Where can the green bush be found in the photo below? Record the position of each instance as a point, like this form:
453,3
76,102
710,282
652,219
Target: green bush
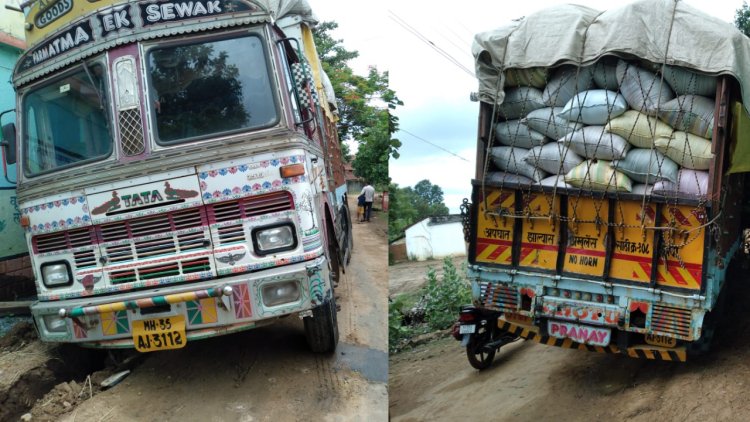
399,334
445,296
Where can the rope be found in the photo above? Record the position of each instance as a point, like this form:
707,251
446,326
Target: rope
675,236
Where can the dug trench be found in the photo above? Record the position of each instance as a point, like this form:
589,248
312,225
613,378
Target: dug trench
46,381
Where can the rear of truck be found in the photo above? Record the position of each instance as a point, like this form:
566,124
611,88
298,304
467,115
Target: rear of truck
606,205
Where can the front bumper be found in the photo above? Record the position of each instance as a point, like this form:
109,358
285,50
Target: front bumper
210,308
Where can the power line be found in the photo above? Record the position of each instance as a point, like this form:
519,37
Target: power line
424,39
435,145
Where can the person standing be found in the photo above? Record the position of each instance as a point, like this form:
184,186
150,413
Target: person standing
361,208
369,192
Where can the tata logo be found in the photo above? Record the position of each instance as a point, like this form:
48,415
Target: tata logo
143,198
52,12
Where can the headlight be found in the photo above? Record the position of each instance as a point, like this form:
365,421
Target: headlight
56,274
55,324
278,293
274,239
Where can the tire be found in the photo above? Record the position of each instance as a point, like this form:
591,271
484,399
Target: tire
334,267
711,321
479,357
322,329
349,238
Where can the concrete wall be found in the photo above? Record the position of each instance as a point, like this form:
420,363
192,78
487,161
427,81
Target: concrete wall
15,268
11,22
434,241
397,251
354,187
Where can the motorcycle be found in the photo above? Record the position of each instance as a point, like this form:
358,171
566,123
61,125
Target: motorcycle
478,332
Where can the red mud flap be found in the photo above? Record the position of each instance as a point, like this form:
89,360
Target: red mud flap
643,351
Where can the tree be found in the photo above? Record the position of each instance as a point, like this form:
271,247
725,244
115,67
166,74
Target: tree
364,104
432,195
410,205
401,214
742,19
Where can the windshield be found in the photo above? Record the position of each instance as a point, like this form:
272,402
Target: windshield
209,88
65,123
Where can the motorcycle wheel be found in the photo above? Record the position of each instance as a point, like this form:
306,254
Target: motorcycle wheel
479,357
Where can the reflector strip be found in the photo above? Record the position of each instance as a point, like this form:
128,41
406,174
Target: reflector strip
639,352
144,303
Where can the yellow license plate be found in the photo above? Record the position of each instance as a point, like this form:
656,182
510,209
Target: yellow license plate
664,341
159,333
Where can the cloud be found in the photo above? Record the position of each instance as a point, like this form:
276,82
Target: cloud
434,90
453,175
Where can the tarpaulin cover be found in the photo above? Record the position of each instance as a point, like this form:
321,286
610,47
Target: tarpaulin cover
660,31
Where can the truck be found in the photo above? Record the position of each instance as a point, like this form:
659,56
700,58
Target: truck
179,171
608,197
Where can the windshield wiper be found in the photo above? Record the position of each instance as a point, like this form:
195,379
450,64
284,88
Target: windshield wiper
98,91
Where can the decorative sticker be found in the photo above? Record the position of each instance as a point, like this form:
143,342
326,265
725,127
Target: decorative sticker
143,196
114,323
61,214
202,311
79,330
241,299
234,182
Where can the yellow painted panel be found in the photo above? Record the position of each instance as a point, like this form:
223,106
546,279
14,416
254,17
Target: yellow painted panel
683,246
75,9
588,221
540,236
495,233
632,257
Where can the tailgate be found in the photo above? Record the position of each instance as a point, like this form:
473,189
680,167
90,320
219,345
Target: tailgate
567,232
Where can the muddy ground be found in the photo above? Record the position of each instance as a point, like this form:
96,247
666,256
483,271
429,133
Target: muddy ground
266,374
531,382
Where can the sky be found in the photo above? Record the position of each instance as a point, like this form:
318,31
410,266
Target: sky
425,46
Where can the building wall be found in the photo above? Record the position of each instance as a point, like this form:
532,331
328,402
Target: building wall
14,260
397,251
424,241
11,22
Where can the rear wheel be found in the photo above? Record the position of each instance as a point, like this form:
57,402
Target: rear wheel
334,267
479,357
711,322
321,329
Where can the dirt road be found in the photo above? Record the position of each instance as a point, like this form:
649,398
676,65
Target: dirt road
531,382
259,375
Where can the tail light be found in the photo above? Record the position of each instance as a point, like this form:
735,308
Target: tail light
455,332
466,317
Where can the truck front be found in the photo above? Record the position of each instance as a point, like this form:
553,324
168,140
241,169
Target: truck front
172,173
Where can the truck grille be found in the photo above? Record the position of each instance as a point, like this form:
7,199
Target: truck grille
244,208
169,269
80,241
671,320
165,234
250,207
172,239
498,297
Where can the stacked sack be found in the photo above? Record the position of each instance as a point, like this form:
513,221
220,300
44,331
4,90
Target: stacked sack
613,126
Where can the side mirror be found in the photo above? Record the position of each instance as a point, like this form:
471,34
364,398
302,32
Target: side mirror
9,143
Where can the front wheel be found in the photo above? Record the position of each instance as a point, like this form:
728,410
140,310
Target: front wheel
322,329
478,355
